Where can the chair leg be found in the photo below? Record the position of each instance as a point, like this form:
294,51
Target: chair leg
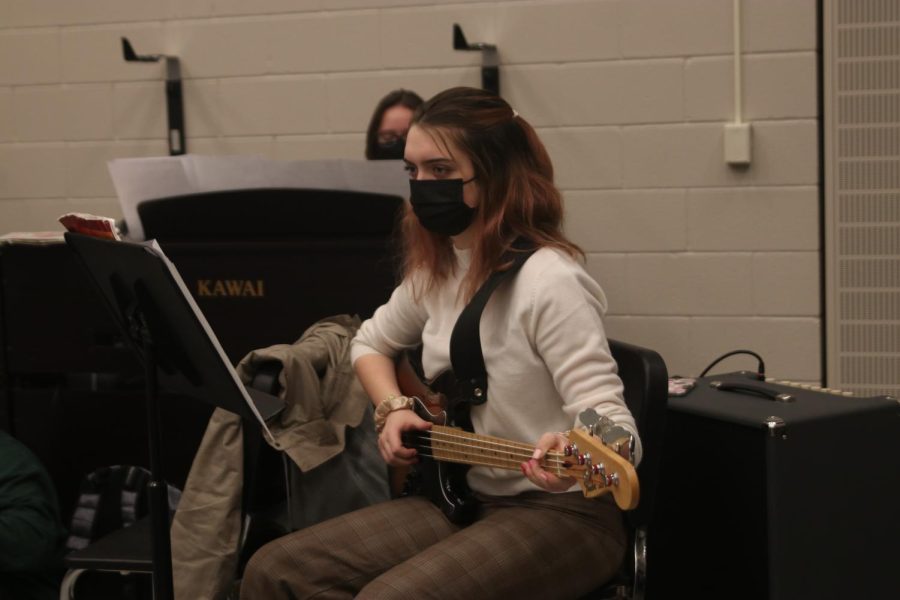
67,587
639,585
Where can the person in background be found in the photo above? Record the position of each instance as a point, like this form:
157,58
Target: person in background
386,135
31,532
481,193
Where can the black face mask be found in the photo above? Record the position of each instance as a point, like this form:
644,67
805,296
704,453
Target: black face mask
439,206
392,150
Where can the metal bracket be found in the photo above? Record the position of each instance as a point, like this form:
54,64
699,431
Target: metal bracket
174,100
490,66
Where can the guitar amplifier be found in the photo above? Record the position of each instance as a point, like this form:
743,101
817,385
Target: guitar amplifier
775,491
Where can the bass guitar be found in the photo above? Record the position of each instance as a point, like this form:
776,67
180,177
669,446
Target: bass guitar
445,453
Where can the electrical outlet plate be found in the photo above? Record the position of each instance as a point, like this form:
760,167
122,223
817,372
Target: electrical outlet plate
737,144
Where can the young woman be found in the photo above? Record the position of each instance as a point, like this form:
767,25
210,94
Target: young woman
479,181
389,124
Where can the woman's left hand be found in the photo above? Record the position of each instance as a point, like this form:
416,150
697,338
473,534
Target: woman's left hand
544,479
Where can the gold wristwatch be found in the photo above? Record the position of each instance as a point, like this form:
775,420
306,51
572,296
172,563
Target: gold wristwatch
391,404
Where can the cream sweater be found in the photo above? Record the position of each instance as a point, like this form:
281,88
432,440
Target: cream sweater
544,347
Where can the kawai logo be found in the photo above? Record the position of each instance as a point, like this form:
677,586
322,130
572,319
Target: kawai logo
243,288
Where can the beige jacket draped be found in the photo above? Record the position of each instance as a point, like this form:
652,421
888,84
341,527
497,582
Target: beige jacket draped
322,398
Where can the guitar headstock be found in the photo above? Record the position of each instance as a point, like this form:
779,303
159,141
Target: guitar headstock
600,469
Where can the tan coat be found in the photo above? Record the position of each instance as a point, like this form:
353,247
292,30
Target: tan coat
322,398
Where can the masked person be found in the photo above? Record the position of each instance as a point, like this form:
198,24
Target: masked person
386,135
481,195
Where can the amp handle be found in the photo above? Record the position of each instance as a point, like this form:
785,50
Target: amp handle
749,388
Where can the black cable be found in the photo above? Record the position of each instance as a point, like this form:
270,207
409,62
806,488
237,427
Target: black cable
760,369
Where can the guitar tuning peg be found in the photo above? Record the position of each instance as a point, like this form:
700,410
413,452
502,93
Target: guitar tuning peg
613,435
590,419
629,449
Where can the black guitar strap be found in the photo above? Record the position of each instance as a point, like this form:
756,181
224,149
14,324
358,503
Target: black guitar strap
466,356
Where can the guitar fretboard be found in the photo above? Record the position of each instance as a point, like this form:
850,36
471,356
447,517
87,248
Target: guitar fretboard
450,444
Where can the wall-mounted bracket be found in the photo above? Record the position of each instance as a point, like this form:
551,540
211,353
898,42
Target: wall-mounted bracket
490,66
174,100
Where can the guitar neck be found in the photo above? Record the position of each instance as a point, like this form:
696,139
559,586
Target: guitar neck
450,444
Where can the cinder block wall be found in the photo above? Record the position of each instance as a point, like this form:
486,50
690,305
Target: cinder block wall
630,96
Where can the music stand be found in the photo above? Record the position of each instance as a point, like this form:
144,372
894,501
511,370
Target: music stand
158,316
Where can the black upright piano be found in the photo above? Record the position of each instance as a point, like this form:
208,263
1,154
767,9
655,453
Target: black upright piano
262,264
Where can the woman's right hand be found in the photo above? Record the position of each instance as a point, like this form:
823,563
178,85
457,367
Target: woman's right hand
390,442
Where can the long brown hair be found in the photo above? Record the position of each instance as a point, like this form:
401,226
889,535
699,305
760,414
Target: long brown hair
515,175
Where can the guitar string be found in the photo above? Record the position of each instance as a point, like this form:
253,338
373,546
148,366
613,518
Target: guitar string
449,435
523,453
509,465
450,432
448,443
445,435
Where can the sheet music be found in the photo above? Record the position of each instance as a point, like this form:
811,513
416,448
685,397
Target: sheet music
140,179
154,247
151,178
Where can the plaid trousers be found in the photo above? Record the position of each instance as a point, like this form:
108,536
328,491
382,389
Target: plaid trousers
534,545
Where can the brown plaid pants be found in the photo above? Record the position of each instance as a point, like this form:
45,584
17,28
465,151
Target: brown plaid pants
535,545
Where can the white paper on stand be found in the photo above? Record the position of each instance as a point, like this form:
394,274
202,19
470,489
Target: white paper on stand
145,180
140,179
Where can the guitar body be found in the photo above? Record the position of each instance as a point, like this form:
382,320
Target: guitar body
443,483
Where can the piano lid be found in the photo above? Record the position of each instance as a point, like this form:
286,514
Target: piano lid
270,214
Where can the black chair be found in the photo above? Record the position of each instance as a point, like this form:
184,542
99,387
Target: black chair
128,551
645,377
125,551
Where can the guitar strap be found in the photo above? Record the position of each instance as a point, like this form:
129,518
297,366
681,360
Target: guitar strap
466,356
